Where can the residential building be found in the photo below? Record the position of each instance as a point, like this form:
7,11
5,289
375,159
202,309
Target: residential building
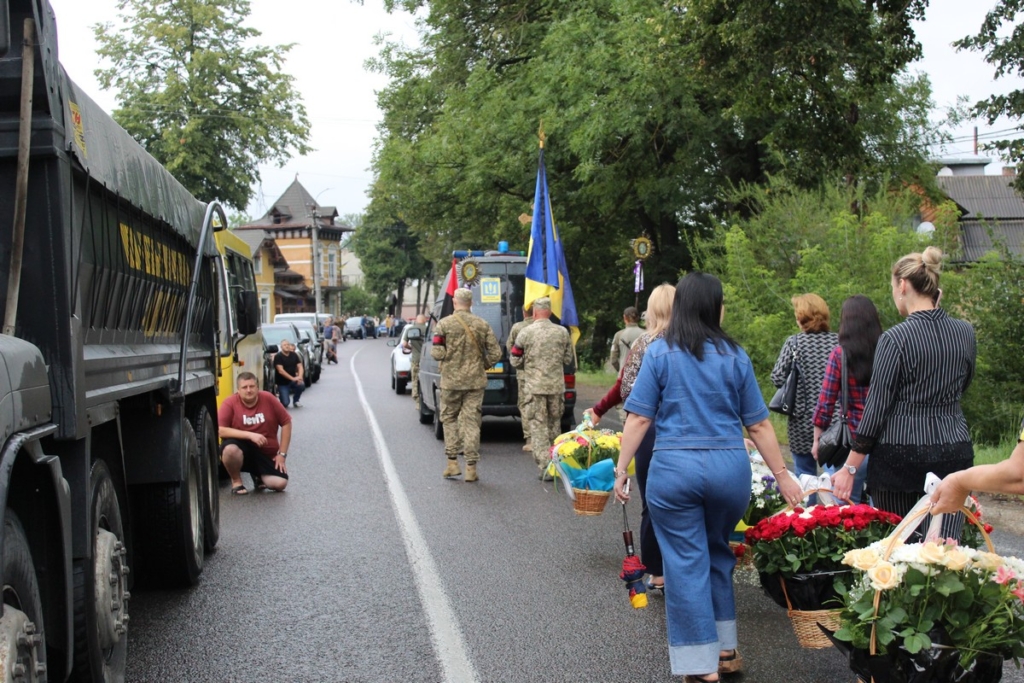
292,222
272,282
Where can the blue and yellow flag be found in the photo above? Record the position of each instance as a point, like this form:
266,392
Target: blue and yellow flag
546,272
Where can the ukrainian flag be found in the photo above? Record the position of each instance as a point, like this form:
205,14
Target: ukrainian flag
546,272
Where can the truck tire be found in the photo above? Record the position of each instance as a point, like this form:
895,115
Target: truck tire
101,589
438,427
171,523
426,414
23,607
209,454
400,386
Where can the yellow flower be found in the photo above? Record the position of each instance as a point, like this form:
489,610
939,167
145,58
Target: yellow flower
932,553
956,559
883,576
989,561
609,442
862,559
568,448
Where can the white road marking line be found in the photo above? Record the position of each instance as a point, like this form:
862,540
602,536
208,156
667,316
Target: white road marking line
445,633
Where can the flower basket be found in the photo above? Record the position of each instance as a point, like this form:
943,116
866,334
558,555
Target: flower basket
584,460
798,553
932,611
589,502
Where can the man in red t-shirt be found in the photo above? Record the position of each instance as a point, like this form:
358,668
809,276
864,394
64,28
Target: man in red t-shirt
249,421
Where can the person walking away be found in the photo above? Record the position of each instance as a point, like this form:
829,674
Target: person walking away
249,421
809,349
913,423
859,330
697,386
657,315
465,346
523,395
415,346
624,338
289,374
541,353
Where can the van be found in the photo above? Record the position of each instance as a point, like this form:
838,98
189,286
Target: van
498,299
311,317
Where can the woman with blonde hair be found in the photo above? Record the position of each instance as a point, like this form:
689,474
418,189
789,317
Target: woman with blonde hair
809,350
658,314
912,422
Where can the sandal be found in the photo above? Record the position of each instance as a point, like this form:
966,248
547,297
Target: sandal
257,483
730,664
694,678
239,490
651,586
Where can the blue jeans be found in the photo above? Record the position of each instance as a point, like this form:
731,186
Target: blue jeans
859,480
696,497
286,392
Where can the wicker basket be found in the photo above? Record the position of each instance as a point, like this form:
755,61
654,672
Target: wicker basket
746,560
805,623
590,502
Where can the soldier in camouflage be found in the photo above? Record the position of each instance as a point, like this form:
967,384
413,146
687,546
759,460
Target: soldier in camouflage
466,346
541,351
524,391
416,347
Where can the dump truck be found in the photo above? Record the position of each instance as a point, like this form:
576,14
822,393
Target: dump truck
112,294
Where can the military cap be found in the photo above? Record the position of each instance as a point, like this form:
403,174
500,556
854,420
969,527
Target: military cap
464,295
543,303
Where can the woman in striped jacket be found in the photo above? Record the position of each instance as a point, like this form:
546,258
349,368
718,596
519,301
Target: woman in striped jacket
912,422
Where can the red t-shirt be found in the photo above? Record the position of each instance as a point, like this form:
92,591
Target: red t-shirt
265,418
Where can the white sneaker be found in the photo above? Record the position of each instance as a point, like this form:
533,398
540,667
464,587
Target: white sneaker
297,404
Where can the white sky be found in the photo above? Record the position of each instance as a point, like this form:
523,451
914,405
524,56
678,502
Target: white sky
335,37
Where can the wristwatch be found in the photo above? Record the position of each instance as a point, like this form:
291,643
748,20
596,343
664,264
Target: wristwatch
283,455
852,469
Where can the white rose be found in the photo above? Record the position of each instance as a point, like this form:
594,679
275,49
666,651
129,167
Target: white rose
884,576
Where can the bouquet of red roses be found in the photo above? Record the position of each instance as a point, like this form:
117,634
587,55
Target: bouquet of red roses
816,538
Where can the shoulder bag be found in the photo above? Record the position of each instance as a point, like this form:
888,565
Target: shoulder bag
784,400
836,442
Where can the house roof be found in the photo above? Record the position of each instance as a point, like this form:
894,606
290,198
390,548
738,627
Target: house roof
983,196
256,239
295,209
977,235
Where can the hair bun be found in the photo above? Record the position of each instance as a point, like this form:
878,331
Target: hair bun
932,259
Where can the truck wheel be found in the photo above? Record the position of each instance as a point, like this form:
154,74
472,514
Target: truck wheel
209,455
101,589
22,641
426,414
172,515
438,427
400,385
568,423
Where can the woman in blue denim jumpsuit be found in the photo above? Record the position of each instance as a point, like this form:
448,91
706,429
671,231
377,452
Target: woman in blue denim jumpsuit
698,386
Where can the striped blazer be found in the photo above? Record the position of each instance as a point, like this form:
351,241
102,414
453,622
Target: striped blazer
912,422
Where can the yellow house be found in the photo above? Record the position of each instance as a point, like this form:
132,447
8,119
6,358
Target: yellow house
290,223
268,263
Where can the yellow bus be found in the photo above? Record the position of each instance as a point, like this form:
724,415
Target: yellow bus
238,352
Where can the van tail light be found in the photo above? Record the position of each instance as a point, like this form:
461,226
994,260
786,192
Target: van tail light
570,381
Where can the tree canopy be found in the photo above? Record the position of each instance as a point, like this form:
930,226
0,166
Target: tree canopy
200,95
652,111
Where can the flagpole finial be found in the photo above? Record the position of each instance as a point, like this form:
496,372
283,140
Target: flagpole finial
541,135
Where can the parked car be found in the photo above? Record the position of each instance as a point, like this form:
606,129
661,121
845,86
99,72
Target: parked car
401,360
315,346
503,276
269,374
275,332
369,328
353,327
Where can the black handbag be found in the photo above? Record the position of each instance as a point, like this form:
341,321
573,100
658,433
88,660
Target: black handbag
836,442
784,400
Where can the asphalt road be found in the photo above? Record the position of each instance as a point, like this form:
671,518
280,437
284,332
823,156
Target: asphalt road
371,567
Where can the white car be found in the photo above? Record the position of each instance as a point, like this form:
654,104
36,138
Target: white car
401,361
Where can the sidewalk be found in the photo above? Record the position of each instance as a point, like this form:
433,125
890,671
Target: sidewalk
1005,513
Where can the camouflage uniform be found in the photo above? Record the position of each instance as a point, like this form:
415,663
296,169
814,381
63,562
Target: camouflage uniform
463,379
621,343
417,349
523,391
540,353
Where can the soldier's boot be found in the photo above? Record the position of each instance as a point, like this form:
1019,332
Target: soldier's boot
470,472
452,470
527,447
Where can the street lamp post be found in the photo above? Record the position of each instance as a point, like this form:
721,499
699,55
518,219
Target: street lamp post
315,229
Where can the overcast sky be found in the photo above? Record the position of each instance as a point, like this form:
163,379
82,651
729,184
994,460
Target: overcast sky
335,37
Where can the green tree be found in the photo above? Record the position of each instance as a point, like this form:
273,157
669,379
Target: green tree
1003,49
652,112
388,256
357,301
200,95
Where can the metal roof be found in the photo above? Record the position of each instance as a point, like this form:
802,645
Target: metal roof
983,196
977,236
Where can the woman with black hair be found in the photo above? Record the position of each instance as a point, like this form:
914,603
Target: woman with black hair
859,330
697,385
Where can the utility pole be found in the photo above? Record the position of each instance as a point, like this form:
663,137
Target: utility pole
316,259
